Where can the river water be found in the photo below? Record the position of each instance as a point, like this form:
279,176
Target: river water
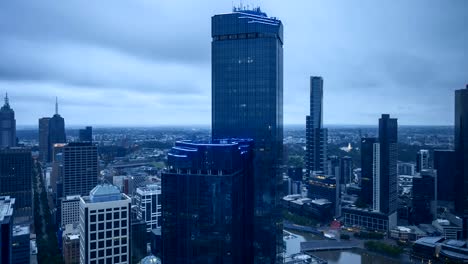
293,245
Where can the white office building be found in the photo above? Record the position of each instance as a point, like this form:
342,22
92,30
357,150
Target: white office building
70,210
148,202
105,226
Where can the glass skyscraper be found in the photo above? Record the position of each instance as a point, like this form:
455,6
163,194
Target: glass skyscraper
205,195
461,156
316,135
247,102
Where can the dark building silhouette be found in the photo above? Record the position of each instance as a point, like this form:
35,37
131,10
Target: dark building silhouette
247,102
346,170
16,178
205,193
444,164
51,132
80,168
424,197
388,152
333,166
367,160
7,125
295,173
325,187
316,135
461,156
86,135
44,139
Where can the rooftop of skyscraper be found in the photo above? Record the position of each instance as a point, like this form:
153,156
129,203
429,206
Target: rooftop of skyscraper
6,206
104,193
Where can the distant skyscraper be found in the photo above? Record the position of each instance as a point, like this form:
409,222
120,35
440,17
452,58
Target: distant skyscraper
7,125
461,156
16,178
86,135
51,132
148,202
105,226
80,167
367,161
316,135
385,153
422,160
205,193
405,168
444,164
6,229
44,151
247,102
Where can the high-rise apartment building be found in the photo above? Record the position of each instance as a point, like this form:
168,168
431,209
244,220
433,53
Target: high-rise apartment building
346,170
205,202
422,160
16,178
7,125
461,157
80,167
105,226
316,135
247,102
6,229
148,202
424,197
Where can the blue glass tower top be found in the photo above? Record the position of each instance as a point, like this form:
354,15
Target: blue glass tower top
105,193
220,154
243,21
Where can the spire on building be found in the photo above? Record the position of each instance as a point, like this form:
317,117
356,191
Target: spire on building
56,105
6,99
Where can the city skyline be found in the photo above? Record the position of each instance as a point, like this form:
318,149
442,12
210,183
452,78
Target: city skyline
108,72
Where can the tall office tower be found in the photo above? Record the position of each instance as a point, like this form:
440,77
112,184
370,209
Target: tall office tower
105,226
461,156
367,160
86,135
444,164
71,248
16,178
333,166
247,102
422,160
316,135
56,129
385,154
148,202
44,151
7,125
80,168
51,132
21,244
70,210
346,170
205,202
6,229
424,197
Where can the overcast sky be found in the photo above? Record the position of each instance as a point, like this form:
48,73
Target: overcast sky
147,62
